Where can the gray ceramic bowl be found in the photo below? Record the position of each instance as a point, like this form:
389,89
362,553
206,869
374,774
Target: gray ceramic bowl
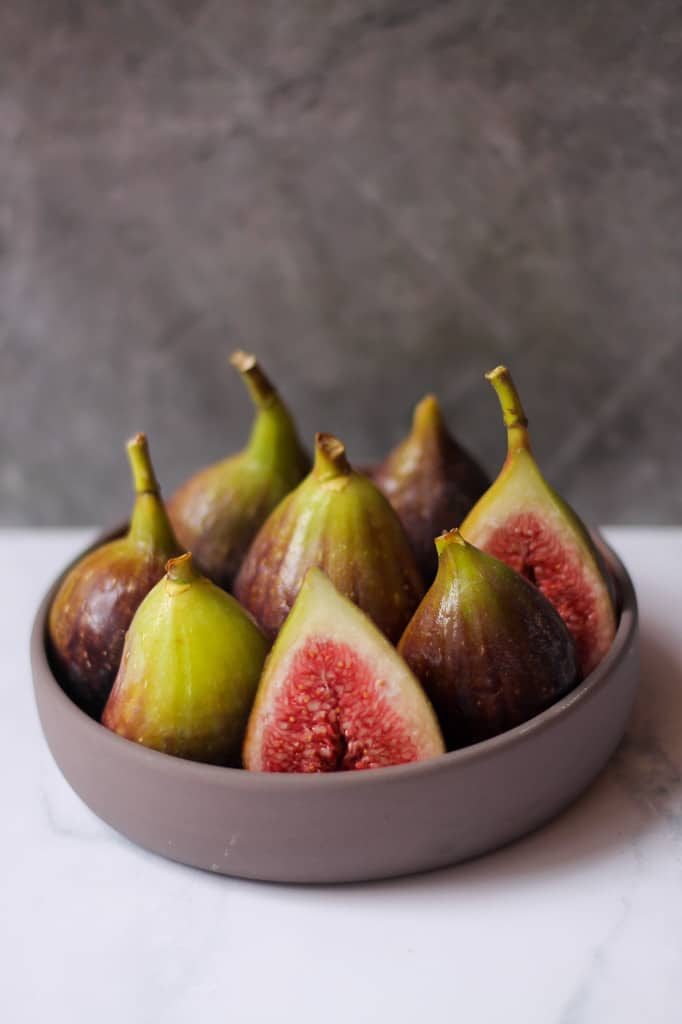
354,826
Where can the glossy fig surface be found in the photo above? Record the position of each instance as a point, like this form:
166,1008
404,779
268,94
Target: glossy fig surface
338,520
431,481
335,695
489,649
217,512
95,603
524,522
189,672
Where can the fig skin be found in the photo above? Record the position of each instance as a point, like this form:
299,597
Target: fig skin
338,520
95,603
335,695
217,512
190,669
431,481
523,521
488,647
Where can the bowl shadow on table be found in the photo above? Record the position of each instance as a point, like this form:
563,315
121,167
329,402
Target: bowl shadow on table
640,790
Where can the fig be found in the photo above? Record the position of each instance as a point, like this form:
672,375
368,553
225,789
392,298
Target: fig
96,601
189,672
338,520
525,523
431,482
487,646
217,512
335,695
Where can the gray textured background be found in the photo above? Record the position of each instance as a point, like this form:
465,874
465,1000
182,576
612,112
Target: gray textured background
379,198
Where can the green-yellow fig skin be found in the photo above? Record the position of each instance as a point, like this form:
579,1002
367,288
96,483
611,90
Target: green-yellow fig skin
217,512
431,481
523,521
190,669
337,520
95,603
489,649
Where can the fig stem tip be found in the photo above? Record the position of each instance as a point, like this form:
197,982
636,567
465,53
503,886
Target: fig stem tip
181,569
144,479
260,388
515,419
448,537
330,457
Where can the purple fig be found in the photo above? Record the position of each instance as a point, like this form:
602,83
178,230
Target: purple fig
487,646
431,481
95,603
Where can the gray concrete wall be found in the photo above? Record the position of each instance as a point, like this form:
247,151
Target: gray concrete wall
379,198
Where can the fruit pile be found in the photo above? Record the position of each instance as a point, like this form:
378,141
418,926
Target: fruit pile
331,619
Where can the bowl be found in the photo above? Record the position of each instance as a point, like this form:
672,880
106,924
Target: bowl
347,826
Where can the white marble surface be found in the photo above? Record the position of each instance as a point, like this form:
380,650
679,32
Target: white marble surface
581,923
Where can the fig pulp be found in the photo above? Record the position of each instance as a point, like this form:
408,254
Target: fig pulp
489,649
337,520
96,602
335,695
189,672
431,482
217,512
524,522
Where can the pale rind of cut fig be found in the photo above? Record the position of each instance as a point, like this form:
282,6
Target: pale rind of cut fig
335,695
524,522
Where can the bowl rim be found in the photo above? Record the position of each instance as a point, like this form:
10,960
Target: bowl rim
44,678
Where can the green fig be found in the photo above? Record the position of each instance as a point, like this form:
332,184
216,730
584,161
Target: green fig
217,512
190,669
489,649
335,695
524,522
338,520
431,482
97,599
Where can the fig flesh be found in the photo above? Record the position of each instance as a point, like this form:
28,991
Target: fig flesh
217,512
339,521
95,604
335,695
431,481
190,668
524,522
489,649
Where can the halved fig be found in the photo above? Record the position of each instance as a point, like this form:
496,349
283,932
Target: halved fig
525,523
335,695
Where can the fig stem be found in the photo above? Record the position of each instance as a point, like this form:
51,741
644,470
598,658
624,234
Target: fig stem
449,537
512,410
181,569
144,479
261,390
427,415
330,458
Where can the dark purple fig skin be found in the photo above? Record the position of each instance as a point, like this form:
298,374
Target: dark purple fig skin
98,597
91,615
431,481
488,647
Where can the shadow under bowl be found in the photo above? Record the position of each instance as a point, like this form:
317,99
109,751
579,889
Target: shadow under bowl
351,826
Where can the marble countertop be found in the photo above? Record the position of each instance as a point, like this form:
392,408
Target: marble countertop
579,923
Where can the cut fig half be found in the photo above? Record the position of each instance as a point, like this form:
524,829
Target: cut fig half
524,522
335,695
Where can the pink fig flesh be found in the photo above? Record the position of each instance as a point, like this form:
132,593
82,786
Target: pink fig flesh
335,695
